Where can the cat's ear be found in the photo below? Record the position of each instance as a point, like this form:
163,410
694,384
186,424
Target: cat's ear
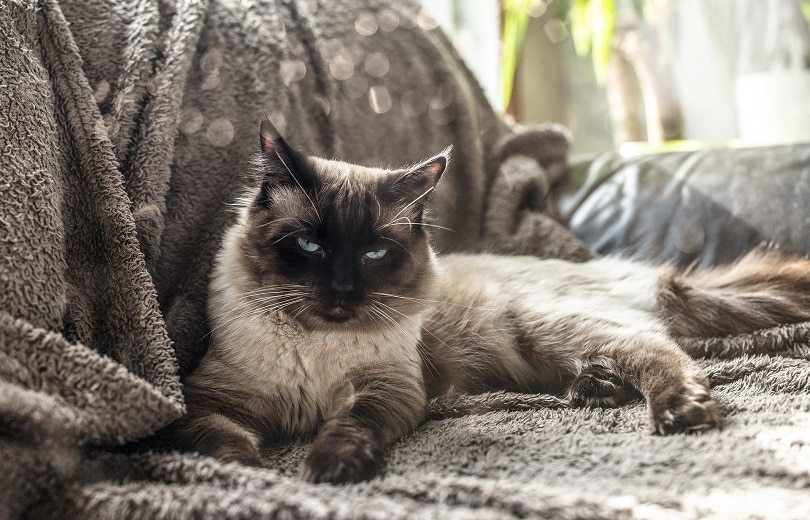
282,165
418,181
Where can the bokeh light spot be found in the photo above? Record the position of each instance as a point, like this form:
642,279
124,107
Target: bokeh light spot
537,9
355,87
330,49
279,121
388,20
341,67
689,236
191,120
366,24
211,81
292,71
414,103
220,132
211,61
555,30
377,64
426,21
380,99
442,99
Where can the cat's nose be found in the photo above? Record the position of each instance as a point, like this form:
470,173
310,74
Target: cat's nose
342,281
342,289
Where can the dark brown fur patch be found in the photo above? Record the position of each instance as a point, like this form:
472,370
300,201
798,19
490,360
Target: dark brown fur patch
598,386
760,290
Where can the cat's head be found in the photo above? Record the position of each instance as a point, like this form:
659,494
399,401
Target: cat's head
339,245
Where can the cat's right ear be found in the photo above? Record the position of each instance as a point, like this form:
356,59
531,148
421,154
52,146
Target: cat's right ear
282,165
418,181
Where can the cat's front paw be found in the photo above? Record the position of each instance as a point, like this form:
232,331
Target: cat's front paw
245,455
340,455
690,408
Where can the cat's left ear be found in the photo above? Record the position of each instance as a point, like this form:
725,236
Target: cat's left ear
417,183
283,165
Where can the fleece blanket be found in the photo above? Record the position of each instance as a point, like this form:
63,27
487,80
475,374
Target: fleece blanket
126,129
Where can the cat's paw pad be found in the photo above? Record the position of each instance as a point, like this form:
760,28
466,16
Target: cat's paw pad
339,459
599,387
690,409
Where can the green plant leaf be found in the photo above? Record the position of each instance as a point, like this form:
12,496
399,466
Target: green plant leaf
805,6
581,26
515,20
603,26
593,24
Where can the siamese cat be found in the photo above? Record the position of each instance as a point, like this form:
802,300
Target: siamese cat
332,317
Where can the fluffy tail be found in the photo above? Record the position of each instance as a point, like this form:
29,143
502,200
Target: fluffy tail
761,290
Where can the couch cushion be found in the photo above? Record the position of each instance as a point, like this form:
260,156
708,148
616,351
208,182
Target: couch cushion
707,206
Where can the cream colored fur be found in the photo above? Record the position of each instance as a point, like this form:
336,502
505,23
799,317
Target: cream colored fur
272,354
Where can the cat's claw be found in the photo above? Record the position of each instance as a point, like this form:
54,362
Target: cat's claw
688,410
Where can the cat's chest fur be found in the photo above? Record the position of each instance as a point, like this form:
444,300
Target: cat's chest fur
304,373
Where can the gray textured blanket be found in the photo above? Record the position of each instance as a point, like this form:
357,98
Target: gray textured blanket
125,130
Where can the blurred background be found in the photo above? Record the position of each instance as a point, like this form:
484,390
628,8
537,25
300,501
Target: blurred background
641,76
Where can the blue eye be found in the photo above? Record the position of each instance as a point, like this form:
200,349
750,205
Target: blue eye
376,255
309,247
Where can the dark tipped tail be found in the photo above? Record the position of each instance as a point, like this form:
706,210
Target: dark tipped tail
761,290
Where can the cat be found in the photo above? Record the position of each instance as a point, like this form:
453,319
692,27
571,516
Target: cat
333,317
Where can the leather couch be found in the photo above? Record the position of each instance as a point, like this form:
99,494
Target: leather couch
704,207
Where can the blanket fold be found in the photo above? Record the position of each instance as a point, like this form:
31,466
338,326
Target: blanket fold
128,129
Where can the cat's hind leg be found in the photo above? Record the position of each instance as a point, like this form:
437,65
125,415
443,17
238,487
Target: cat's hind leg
606,357
674,386
681,409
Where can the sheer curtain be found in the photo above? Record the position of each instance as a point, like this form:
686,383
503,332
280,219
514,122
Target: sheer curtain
717,44
474,27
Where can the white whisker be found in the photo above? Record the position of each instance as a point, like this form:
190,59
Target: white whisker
413,320
257,303
423,224
398,327
400,245
444,302
300,186
257,312
414,201
285,236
